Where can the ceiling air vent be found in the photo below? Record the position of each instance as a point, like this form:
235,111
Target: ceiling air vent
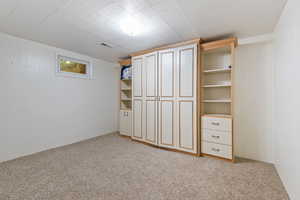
105,44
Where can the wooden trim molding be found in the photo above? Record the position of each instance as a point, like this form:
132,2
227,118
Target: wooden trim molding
219,44
125,62
170,46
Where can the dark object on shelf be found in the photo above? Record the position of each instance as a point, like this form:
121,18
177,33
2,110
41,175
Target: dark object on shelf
126,72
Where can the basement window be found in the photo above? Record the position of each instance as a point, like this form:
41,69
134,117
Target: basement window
73,67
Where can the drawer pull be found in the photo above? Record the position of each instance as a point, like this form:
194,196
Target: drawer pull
215,123
215,136
216,150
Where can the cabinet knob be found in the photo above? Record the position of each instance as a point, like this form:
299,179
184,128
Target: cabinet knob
215,136
215,123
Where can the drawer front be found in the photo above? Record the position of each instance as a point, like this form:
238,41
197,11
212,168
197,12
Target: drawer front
220,137
220,124
219,150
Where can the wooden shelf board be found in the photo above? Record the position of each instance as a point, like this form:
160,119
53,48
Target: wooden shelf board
126,79
206,46
217,101
217,115
125,62
216,85
217,70
126,99
126,89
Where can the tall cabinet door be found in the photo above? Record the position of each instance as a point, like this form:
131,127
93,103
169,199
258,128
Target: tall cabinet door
137,98
186,101
150,98
166,89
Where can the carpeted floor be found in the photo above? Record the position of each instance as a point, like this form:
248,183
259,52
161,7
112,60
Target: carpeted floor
112,167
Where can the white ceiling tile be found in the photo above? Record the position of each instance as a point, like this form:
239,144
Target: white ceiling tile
7,7
78,25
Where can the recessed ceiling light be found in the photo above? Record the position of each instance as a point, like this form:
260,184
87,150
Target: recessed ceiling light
131,26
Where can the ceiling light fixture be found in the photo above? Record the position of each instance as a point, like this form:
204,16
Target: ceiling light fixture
131,26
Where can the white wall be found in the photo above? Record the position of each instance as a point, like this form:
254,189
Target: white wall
39,110
287,98
253,101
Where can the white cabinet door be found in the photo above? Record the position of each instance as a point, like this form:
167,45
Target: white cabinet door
137,76
151,121
137,98
186,125
145,98
166,123
150,74
150,97
187,98
164,98
137,119
125,122
167,67
167,73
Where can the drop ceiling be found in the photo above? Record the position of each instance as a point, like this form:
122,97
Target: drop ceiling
82,25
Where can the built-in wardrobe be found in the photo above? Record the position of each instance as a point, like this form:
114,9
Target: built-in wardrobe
182,97
165,98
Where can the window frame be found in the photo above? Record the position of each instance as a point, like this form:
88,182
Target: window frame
88,63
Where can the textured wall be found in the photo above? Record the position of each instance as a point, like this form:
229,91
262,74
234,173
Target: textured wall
287,98
253,102
39,110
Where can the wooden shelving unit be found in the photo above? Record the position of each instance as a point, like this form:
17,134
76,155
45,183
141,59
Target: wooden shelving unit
125,89
125,102
217,87
216,76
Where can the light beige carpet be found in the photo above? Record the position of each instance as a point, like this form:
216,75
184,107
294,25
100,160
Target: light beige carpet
112,167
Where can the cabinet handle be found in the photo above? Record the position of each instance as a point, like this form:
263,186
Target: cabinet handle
215,123
216,150
215,136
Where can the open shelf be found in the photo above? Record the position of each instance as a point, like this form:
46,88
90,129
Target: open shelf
217,115
217,101
216,85
125,88
221,70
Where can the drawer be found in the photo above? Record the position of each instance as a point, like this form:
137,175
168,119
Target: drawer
220,137
214,123
219,150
